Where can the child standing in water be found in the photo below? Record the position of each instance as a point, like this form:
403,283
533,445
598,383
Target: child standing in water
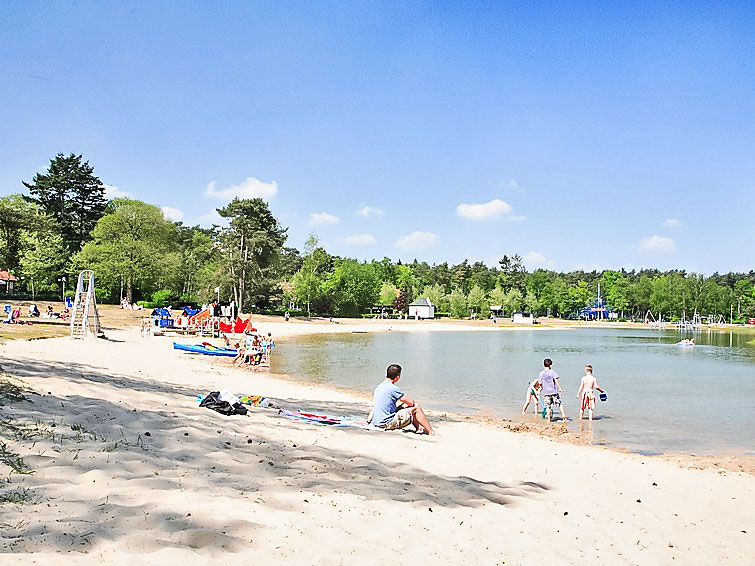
533,392
586,392
551,390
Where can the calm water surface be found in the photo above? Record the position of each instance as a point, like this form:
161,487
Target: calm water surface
661,397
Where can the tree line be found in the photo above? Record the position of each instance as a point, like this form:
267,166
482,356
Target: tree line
65,223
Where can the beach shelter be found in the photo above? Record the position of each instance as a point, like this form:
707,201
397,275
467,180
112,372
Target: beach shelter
422,308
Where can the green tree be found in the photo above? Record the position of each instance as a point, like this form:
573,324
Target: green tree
290,262
531,303
388,293
554,296
199,265
129,245
482,276
17,218
441,274
460,276
615,288
407,282
43,260
251,247
743,293
477,301
513,274
438,297
458,304
513,300
72,195
640,293
497,297
310,279
353,287
578,297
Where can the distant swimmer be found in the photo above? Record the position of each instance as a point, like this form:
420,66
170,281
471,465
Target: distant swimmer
686,342
586,393
552,391
533,392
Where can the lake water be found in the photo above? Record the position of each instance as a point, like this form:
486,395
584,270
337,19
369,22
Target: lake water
661,397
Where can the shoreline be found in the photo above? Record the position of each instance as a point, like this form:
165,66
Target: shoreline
126,467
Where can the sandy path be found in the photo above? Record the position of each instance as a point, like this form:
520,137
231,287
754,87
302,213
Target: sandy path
201,486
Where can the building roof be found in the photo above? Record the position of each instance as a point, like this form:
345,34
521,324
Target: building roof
5,276
421,302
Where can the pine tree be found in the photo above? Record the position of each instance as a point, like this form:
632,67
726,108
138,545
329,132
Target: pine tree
72,195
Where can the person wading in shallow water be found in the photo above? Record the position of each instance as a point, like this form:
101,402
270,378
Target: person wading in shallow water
551,392
393,410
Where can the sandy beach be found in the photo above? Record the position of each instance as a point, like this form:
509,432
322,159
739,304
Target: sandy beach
108,459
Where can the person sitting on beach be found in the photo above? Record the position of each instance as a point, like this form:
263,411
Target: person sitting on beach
551,392
255,354
533,392
243,347
586,393
393,410
34,310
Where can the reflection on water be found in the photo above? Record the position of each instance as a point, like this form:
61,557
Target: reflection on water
661,397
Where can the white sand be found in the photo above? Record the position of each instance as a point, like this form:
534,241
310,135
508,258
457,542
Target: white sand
203,488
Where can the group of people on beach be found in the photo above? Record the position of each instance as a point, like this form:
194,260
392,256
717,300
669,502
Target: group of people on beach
392,409
546,387
255,349
13,314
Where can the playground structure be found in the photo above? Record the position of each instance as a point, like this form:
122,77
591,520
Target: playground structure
599,310
654,323
211,321
84,313
685,325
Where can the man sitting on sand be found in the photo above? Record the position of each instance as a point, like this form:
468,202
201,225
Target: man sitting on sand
387,398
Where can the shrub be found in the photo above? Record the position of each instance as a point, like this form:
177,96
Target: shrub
164,297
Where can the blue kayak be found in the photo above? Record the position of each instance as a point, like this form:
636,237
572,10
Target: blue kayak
198,349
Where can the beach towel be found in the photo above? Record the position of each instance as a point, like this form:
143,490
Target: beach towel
307,416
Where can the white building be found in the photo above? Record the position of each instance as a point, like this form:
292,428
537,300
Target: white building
523,318
422,308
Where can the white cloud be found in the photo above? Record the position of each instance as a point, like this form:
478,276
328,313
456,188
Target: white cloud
367,211
656,243
495,208
534,260
360,240
251,187
510,184
417,240
112,192
672,223
174,214
322,219
210,218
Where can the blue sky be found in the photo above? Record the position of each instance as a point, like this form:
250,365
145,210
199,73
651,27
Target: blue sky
577,134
